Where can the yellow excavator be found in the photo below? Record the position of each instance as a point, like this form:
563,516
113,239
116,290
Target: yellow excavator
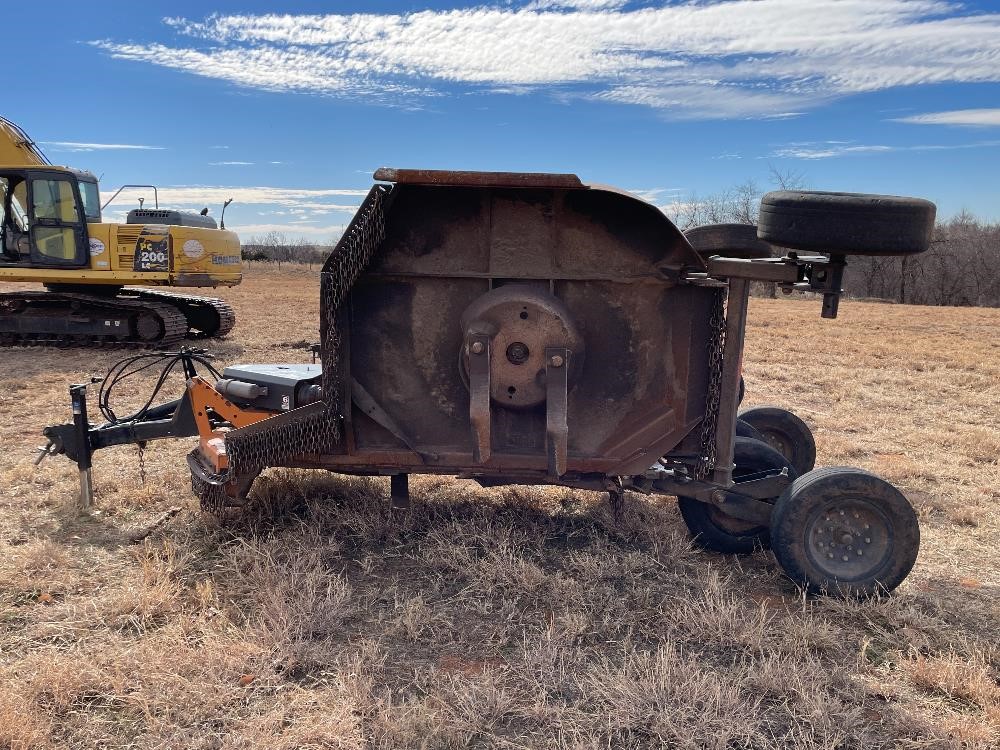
101,278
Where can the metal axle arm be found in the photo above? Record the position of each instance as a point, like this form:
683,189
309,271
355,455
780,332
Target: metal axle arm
808,273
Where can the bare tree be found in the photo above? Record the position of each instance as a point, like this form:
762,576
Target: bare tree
787,179
960,268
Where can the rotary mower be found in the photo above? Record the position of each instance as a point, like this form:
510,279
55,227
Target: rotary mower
519,328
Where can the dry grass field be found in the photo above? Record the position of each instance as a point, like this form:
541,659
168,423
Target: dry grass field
516,618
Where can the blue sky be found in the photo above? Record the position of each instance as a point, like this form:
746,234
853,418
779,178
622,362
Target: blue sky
288,108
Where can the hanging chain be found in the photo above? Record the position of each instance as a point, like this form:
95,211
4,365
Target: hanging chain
315,430
716,345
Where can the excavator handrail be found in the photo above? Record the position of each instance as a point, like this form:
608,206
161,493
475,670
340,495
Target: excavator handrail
156,197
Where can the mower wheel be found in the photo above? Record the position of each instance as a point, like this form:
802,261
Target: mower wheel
845,532
714,530
728,240
846,223
747,430
784,432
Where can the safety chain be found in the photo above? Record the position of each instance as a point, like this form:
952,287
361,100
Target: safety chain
212,497
716,345
349,259
318,431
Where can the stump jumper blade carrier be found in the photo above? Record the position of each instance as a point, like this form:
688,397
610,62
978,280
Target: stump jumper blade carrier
532,329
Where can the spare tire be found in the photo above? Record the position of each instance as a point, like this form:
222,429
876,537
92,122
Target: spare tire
846,223
728,240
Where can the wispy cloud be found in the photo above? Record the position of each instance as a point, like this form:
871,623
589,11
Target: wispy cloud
979,118
76,146
831,149
656,195
575,4
320,233
724,59
231,163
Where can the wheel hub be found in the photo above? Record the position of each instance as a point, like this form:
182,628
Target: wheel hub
849,539
521,321
777,442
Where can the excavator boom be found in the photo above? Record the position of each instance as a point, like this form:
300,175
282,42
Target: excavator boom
16,147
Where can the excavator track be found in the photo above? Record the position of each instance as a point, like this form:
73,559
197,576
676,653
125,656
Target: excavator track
207,317
72,319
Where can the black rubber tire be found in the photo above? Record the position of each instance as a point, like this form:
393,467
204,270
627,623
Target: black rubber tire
747,430
821,519
712,529
846,223
728,240
786,433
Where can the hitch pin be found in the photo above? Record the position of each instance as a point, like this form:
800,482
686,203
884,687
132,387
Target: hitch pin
45,452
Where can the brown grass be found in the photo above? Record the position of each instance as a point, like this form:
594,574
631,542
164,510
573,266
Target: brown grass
510,618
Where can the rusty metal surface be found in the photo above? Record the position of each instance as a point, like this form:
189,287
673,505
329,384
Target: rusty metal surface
557,365
533,332
520,321
479,354
478,179
586,268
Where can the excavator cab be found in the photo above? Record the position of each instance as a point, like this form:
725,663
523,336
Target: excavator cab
42,219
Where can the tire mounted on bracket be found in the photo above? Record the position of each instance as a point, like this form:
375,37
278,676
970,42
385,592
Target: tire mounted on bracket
846,223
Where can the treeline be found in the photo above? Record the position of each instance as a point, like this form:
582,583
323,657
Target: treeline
961,267
275,247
